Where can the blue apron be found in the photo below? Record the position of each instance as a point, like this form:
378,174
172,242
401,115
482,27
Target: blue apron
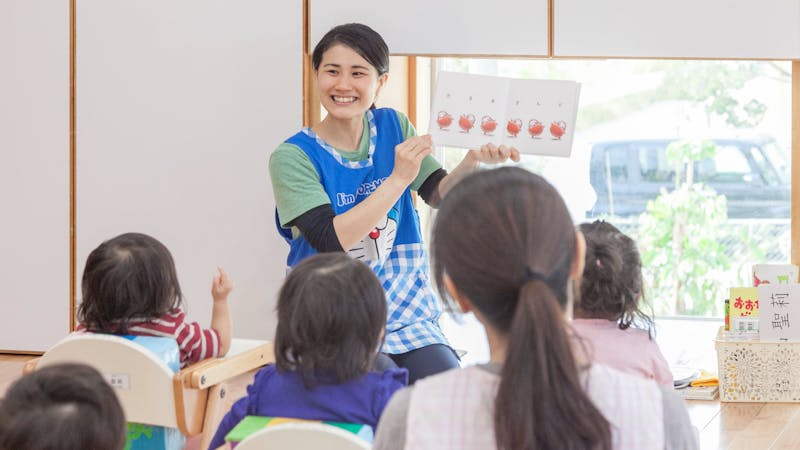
393,249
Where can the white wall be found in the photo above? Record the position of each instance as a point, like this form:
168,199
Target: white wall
180,104
735,29
466,27
34,173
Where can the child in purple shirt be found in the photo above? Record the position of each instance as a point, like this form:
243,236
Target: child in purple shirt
331,321
608,318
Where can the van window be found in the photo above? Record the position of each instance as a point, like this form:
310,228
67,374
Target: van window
616,162
653,163
729,165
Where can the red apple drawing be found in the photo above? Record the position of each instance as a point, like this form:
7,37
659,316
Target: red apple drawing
488,125
535,128
466,122
557,129
514,126
444,119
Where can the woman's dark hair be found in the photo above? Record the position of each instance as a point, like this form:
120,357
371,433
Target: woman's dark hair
61,407
331,319
505,239
131,276
612,287
361,39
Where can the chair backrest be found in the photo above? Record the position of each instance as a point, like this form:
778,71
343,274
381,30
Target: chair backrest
303,436
142,381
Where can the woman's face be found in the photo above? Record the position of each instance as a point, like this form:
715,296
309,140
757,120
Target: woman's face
348,84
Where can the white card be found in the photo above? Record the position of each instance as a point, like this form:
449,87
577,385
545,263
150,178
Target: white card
535,116
779,312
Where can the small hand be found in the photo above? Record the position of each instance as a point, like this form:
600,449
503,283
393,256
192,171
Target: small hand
221,286
492,154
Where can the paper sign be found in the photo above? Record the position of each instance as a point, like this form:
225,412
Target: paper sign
535,116
780,309
774,274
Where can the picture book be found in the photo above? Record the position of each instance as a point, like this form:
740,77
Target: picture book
699,392
774,274
535,116
780,308
743,309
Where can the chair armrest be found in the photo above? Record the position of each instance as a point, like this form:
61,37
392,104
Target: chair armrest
207,373
30,365
210,372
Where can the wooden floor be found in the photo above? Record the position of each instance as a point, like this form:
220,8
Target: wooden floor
10,370
744,426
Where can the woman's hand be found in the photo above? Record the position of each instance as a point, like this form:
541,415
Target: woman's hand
408,157
492,154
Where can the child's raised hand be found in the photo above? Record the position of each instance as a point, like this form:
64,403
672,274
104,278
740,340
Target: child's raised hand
492,154
221,286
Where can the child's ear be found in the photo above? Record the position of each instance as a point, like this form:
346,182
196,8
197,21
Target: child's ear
576,271
463,302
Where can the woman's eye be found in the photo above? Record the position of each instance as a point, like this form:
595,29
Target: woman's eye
333,72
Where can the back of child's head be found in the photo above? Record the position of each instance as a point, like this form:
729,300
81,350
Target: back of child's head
331,319
131,276
61,407
504,240
612,285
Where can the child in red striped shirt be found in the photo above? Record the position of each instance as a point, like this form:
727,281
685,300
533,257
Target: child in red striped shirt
130,286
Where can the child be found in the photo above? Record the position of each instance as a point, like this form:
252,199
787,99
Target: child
61,407
504,247
611,297
130,286
331,321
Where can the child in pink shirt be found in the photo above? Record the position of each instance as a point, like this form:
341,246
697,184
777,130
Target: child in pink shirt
608,319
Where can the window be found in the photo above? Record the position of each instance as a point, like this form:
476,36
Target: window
731,120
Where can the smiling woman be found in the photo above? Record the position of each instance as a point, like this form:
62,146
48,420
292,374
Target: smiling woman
345,185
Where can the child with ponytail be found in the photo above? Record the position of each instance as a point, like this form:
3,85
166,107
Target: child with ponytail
504,247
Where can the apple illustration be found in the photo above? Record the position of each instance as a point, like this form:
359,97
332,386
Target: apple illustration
444,120
514,126
488,125
557,129
535,128
466,122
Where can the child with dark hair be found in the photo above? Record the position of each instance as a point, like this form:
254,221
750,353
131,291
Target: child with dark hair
609,318
331,322
130,286
519,280
61,407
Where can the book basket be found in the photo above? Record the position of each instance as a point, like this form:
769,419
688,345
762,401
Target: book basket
754,371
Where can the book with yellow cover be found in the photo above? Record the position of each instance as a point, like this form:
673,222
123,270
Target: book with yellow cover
743,309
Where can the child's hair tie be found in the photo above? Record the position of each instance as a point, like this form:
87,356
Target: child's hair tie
532,275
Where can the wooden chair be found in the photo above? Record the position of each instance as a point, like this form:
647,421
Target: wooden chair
191,400
303,436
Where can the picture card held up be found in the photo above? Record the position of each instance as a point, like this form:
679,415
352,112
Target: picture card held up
535,116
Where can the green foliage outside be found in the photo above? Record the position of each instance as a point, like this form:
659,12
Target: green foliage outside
683,258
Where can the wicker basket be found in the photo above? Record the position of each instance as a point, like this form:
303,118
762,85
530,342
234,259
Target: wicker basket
753,371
